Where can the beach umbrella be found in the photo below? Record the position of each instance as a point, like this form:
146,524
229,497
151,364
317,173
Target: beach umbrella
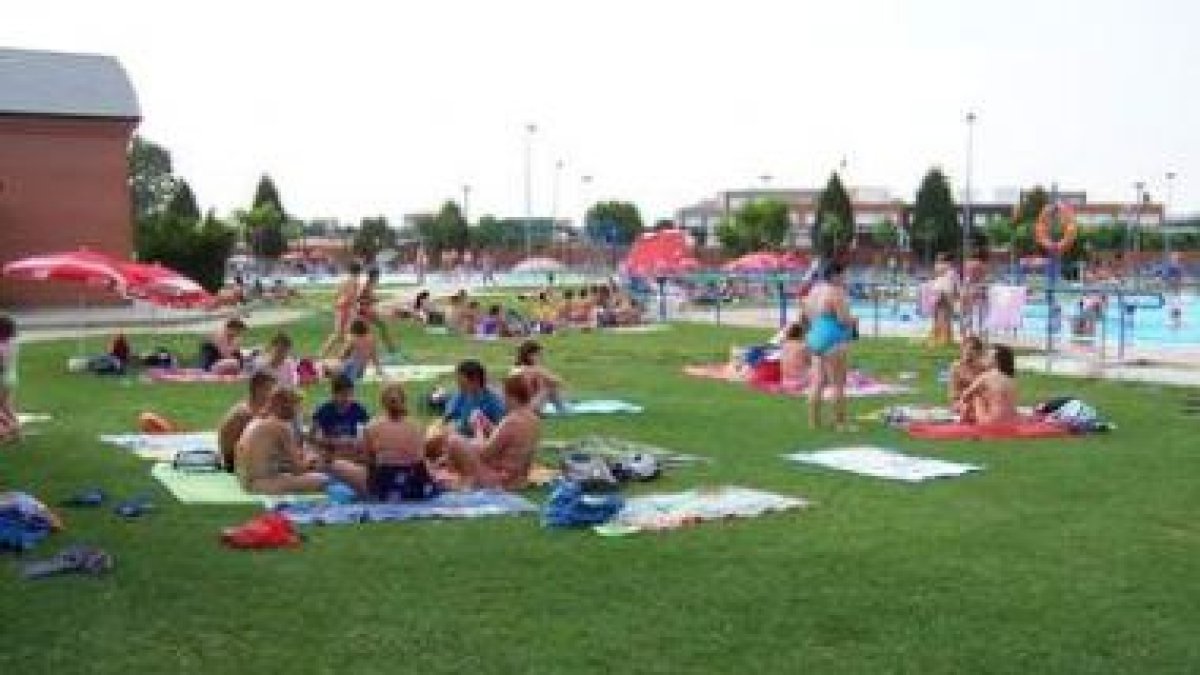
87,268
764,261
162,287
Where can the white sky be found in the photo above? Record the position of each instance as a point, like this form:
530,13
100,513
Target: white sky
358,107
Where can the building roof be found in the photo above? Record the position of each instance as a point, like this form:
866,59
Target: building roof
68,85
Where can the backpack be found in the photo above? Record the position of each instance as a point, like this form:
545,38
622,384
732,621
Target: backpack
1077,416
570,506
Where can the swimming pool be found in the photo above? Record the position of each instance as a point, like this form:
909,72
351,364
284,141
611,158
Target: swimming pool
1147,323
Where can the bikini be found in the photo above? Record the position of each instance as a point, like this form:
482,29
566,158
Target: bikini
826,333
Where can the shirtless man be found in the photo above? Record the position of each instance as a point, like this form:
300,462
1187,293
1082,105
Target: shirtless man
235,421
964,372
993,395
269,459
345,304
503,458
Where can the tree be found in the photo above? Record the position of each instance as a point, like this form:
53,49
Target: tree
266,194
492,233
151,183
833,237
999,232
183,204
262,227
885,234
935,227
833,203
621,220
373,235
1033,201
452,227
761,224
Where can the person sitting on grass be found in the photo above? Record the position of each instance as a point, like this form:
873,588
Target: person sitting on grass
395,450
278,361
794,357
544,386
360,353
491,325
10,426
229,431
992,398
964,372
474,399
564,309
222,353
499,458
270,459
457,316
337,424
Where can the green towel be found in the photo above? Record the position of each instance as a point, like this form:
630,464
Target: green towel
215,487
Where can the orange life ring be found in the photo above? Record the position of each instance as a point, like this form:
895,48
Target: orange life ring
1041,230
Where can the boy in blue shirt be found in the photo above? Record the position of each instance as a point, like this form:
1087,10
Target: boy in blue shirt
337,424
473,400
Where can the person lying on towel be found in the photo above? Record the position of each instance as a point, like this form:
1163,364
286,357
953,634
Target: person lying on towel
992,398
502,457
270,459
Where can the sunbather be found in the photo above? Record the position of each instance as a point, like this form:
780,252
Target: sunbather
970,365
337,424
278,360
794,356
239,416
395,450
270,459
474,398
222,353
503,457
993,395
544,386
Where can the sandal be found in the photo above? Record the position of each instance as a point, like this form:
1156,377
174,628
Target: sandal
88,498
78,558
134,508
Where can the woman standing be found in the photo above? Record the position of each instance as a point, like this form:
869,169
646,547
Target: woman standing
831,328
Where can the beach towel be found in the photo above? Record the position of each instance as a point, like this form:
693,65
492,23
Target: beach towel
1006,307
882,463
610,447
1026,428
594,407
900,415
714,371
409,373
634,330
192,375
650,513
162,447
216,487
858,383
473,504
32,418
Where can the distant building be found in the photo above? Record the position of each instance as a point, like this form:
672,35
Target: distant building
66,121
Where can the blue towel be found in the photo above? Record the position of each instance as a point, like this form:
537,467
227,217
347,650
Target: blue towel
473,504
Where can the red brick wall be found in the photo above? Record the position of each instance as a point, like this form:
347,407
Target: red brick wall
63,186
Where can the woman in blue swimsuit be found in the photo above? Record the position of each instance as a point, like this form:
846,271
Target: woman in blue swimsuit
831,328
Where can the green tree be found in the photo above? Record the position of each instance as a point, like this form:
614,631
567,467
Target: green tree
262,227
266,194
373,235
493,234
833,204
1033,201
761,224
885,234
999,232
621,218
934,225
183,204
151,182
456,235
833,237
194,247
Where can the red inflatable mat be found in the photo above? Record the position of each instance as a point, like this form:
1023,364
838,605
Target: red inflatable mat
1024,429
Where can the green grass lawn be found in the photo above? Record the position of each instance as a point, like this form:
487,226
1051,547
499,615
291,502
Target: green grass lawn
1062,557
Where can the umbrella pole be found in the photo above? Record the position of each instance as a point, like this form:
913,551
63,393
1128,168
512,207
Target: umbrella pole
82,326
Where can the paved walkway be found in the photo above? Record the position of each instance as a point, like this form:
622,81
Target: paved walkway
1175,366
57,324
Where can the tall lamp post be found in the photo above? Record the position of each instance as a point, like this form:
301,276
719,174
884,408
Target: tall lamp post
530,130
558,167
585,184
466,203
967,215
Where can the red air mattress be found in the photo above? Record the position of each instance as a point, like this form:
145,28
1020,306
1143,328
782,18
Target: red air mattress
1026,428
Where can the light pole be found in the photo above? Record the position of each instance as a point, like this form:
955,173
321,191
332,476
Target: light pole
585,184
530,130
766,180
558,166
466,203
967,215
1166,224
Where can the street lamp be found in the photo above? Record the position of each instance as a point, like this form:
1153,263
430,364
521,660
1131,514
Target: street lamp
585,184
766,180
967,215
530,130
466,190
1166,225
558,166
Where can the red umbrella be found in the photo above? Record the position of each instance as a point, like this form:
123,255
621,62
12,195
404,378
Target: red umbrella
764,261
162,286
81,267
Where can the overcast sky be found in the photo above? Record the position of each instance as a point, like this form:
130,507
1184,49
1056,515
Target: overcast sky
359,107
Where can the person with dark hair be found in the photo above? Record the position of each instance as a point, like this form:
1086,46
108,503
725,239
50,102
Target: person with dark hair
544,385
235,421
278,360
971,363
338,423
10,426
499,457
222,353
360,353
794,357
345,302
831,328
367,304
475,405
993,395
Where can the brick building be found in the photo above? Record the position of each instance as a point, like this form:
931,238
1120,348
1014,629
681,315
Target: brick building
65,127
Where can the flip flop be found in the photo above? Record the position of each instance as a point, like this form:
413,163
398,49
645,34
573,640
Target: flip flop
135,507
78,558
89,497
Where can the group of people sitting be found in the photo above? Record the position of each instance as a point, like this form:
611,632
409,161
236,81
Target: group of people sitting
482,440
982,384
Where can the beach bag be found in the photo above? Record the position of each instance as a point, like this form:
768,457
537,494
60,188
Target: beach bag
1077,416
590,472
306,373
159,358
570,505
